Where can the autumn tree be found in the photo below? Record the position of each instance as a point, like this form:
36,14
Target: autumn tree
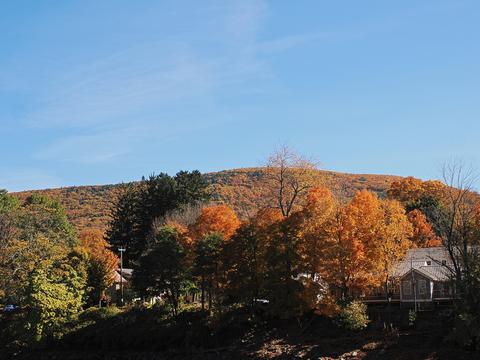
41,215
315,216
423,234
289,176
219,219
395,239
343,265
54,295
425,196
102,263
8,208
365,217
363,242
38,232
410,189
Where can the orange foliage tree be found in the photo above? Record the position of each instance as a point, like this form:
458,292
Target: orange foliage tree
412,189
318,210
219,219
102,263
365,239
343,264
364,222
423,234
395,240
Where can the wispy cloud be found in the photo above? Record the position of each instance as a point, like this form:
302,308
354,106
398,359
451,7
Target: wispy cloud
107,107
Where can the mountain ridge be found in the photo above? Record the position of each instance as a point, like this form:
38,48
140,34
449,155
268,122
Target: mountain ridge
88,206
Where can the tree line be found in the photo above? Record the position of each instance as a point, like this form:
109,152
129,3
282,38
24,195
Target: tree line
304,248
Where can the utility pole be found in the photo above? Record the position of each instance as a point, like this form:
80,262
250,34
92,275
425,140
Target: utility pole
414,281
122,250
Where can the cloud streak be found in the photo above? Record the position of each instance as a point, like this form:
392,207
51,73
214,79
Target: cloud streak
120,100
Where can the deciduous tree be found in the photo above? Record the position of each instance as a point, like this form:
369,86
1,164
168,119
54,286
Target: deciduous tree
219,219
289,176
423,234
102,263
395,240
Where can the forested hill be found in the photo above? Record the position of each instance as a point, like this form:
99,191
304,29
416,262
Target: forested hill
89,206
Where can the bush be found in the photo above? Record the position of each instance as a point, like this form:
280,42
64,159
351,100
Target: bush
412,317
353,316
95,314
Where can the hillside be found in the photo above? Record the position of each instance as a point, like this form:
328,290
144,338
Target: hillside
89,206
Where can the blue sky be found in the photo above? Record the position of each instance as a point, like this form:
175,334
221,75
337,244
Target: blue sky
95,92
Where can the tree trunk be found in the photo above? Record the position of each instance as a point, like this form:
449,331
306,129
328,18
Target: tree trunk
203,292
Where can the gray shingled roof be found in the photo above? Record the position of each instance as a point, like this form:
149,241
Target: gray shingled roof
439,273
428,261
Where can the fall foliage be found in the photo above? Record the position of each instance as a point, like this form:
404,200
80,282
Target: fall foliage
241,189
423,234
216,219
411,189
102,262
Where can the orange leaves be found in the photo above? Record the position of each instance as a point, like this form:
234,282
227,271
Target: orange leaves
411,189
395,237
343,258
99,251
364,240
216,219
407,189
312,224
266,217
364,217
423,234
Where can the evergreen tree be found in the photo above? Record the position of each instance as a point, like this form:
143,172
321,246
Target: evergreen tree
152,198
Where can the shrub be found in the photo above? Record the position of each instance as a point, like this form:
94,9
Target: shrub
95,314
412,317
353,316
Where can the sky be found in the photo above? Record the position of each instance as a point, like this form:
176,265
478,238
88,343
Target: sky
100,92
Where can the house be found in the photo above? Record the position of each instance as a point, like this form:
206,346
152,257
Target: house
121,279
423,276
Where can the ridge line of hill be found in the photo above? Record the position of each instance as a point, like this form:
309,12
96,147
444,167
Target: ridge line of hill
90,205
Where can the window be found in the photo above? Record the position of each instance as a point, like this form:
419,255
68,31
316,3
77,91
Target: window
444,262
406,288
422,287
440,291
429,262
